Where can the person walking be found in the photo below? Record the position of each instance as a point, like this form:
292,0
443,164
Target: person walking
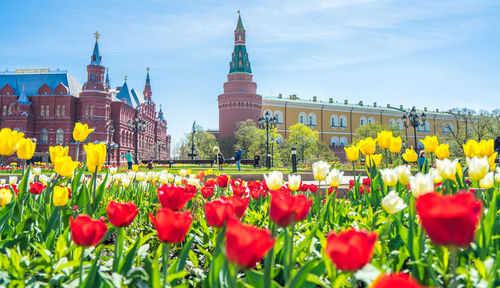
256,160
219,159
423,164
129,158
237,157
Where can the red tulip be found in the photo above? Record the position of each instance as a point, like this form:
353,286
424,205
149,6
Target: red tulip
222,181
87,232
255,193
171,226
246,244
218,212
173,197
36,188
400,280
121,214
191,189
240,191
449,219
240,204
207,191
209,183
287,209
236,182
254,185
350,250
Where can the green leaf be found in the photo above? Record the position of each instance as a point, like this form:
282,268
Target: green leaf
299,278
127,262
256,278
181,262
90,282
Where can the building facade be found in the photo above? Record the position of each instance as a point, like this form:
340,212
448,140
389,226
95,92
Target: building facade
45,105
240,100
335,121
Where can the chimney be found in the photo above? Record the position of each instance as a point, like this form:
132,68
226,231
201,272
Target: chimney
425,109
437,110
360,103
346,102
388,105
315,98
330,100
291,96
374,104
401,107
280,96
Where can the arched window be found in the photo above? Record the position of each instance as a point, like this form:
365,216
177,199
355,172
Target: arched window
302,118
343,141
342,121
400,124
427,126
334,141
59,136
17,129
279,116
371,120
334,122
43,136
445,128
311,119
451,127
362,121
392,123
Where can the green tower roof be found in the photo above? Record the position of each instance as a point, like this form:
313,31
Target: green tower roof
239,26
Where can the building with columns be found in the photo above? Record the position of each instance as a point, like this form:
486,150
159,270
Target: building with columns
45,105
334,120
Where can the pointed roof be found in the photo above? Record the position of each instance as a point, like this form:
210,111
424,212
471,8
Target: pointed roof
23,99
148,81
107,78
125,94
95,59
239,26
160,114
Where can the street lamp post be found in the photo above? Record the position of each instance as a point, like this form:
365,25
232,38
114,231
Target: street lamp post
110,147
272,152
137,125
193,152
267,123
414,120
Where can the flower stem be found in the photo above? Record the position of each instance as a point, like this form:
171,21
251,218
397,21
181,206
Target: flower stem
118,248
269,261
166,248
81,266
453,262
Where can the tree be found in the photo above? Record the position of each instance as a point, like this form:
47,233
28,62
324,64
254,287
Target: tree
371,130
204,143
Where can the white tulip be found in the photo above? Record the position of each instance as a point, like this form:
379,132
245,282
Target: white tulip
294,182
274,180
194,182
435,175
404,174
334,178
125,181
37,171
478,167
497,174
163,179
170,177
320,170
183,172
487,182
113,170
421,184
43,179
140,176
12,180
392,203
178,180
389,176
131,175
447,168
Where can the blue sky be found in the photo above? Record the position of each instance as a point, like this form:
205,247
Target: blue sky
439,54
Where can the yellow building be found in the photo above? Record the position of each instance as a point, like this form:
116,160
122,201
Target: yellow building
337,121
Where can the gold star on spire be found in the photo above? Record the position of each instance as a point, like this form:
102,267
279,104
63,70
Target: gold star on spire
125,78
147,69
96,34
238,12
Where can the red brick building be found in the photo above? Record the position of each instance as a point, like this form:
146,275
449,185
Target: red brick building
240,100
46,104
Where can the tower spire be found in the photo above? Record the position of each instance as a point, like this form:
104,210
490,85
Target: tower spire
107,77
147,87
95,59
239,62
239,26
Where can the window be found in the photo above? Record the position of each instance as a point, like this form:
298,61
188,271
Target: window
47,110
59,137
342,121
302,118
371,120
4,110
279,117
362,121
63,109
451,127
334,141
42,111
58,108
311,119
444,128
343,141
427,127
87,111
43,136
392,123
400,124
334,121
91,111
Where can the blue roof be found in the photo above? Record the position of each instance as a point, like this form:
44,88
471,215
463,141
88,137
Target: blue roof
160,115
95,59
33,81
131,97
23,99
136,97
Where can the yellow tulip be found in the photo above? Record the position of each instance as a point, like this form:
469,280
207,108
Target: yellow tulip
367,146
60,195
96,155
410,155
376,159
135,167
395,146
384,139
486,148
81,131
443,151
9,141
460,171
471,149
5,196
352,153
64,166
57,151
430,143
491,159
25,149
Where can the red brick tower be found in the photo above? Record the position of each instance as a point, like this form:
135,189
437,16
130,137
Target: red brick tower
95,99
240,100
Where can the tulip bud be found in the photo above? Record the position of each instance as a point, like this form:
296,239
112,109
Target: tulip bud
404,174
320,170
395,146
478,167
5,196
352,153
274,180
294,182
81,131
60,195
389,176
392,203
334,178
447,168
25,149
487,182
384,139
367,146
421,184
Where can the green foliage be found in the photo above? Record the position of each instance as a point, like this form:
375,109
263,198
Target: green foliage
204,143
371,130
